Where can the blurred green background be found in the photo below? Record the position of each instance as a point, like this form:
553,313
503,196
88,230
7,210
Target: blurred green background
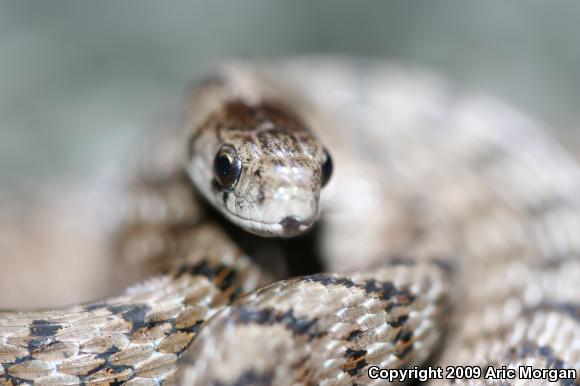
79,81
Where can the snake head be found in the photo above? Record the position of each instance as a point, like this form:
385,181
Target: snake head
260,166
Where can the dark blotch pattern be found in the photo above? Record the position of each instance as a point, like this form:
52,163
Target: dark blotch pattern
327,280
268,316
355,361
133,313
404,336
399,321
385,290
44,328
404,351
354,335
42,334
223,276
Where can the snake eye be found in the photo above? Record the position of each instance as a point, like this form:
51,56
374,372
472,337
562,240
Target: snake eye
227,167
326,169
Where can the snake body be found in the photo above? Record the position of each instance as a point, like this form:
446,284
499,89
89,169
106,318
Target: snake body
449,224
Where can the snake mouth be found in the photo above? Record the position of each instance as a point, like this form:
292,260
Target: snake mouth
290,226
294,226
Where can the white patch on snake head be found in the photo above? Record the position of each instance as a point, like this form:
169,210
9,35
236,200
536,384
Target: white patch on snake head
283,195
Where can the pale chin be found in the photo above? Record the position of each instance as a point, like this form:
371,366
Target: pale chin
258,228
264,229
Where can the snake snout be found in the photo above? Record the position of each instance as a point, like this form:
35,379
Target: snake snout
293,225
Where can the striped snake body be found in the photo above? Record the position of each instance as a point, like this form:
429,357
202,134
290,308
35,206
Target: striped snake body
449,222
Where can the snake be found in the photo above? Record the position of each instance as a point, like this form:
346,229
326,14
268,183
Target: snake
312,218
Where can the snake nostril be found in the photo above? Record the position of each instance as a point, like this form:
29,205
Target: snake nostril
292,225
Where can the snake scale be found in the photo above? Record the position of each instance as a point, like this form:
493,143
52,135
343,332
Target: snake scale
449,223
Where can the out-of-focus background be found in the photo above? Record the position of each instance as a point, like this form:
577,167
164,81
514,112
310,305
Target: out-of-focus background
79,81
